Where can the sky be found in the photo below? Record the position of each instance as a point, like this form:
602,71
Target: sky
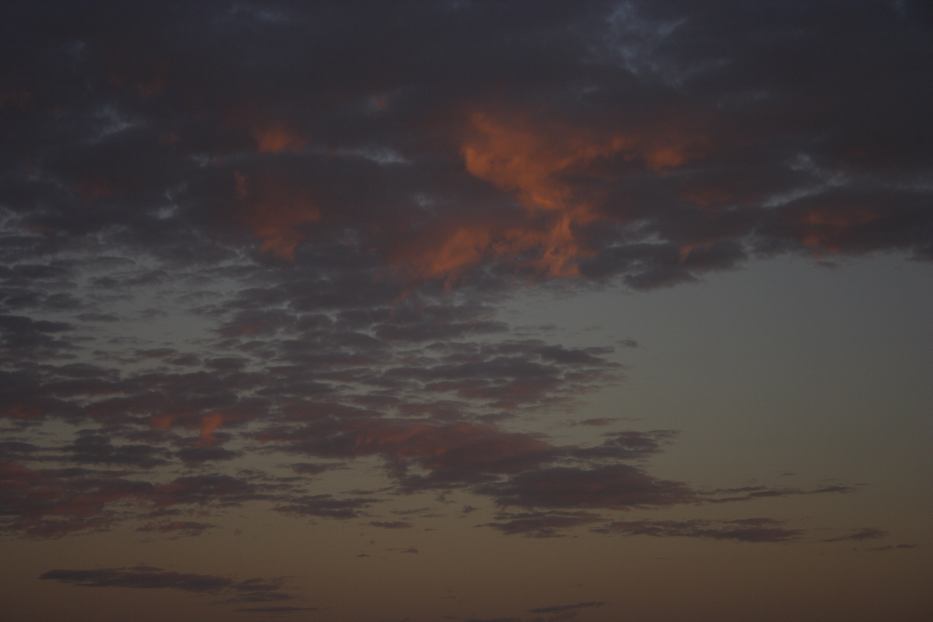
525,311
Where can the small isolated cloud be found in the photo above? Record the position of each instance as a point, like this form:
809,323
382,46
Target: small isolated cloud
275,610
859,535
176,528
740,530
541,524
616,486
325,506
149,578
393,524
751,493
552,609
894,547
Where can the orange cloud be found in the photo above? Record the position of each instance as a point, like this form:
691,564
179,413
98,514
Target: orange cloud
277,138
206,424
537,161
94,188
827,229
162,422
665,156
209,424
21,411
839,219
275,213
707,197
15,98
530,161
463,247
151,87
685,250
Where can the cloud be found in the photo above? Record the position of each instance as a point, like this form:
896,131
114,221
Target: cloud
626,445
390,524
326,506
617,486
94,448
568,607
275,138
149,577
893,547
180,528
57,502
198,455
452,453
573,138
541,524
51,503
211,251
139,577
750,493
859,535
275,610
740,530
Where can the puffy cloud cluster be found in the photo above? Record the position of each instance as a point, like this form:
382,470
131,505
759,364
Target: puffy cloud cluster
651,141
228,230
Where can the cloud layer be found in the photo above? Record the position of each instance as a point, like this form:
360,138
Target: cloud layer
235,235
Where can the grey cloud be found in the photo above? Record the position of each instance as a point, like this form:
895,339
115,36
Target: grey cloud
568,607
617,486
541,524
740,530
859,535
149,577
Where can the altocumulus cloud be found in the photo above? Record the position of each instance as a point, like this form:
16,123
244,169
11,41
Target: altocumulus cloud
211,251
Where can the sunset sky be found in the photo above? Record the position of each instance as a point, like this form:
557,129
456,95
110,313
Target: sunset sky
516,311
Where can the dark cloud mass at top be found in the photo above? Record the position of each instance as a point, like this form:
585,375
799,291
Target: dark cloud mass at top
465,142
235,233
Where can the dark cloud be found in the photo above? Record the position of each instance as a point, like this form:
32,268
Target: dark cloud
197,455
750,493
56,502
148,577
176,528
394,524
140,577
23,337
51,503
569,607
740,530
893,547
452,453
276,610
95,448
859,535
309,468
649,141
325,506
625,445
618,486
541,524
216,244
598,421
